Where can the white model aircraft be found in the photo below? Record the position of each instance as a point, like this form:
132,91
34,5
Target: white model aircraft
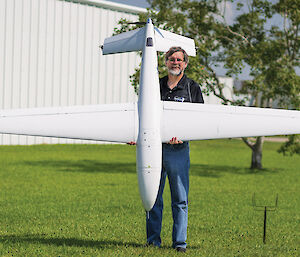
150,122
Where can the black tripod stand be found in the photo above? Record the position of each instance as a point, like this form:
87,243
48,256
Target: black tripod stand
264,208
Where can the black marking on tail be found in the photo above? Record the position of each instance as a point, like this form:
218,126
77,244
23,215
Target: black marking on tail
149,41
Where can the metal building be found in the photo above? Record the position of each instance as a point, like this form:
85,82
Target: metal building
50,56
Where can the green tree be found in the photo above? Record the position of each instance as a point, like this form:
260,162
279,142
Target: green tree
292,146
272,53
251,39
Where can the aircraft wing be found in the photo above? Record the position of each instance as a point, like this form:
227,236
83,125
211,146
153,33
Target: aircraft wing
192,121
109,122
119,122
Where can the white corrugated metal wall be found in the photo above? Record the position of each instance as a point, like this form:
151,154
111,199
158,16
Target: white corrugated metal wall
49,56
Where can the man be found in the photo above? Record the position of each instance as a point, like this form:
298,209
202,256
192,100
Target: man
175,155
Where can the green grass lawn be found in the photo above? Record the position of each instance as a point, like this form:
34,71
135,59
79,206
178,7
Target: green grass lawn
82,200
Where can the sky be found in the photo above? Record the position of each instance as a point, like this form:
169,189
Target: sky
138,3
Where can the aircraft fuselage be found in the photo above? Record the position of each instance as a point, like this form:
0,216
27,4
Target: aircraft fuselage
149,146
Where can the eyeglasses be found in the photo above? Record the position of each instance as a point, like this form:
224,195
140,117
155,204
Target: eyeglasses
175,59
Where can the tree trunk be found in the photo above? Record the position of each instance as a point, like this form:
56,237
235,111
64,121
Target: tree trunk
256,161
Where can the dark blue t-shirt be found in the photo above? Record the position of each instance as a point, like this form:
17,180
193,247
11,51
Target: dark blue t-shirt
187,90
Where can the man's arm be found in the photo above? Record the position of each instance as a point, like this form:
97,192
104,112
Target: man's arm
196,93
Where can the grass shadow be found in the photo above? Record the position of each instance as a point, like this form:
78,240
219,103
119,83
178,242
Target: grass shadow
85,166
75,242
44,239
93,166
216,171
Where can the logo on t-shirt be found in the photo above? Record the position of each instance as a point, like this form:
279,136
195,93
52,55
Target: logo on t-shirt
179,99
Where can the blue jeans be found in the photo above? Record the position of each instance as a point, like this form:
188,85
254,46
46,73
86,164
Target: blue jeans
176,164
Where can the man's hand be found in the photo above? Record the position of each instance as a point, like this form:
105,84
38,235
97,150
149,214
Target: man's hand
175,141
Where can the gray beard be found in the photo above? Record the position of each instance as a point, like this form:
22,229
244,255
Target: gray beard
175,73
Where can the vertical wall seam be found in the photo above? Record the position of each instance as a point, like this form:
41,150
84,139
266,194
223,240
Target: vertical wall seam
4,55
127,76
105,85
29,53
53,61
12,57
91,62
21,61
37,56
84,59
29,63
21,55
68,57
98,61
61,53
12,64
76,54
45,54
53,56
113,66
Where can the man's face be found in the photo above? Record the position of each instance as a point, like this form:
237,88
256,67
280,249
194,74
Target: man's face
176,64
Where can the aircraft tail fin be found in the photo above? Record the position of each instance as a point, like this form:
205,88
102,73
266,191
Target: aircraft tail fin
134,41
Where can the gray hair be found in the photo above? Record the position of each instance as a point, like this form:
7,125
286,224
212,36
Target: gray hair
175,49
